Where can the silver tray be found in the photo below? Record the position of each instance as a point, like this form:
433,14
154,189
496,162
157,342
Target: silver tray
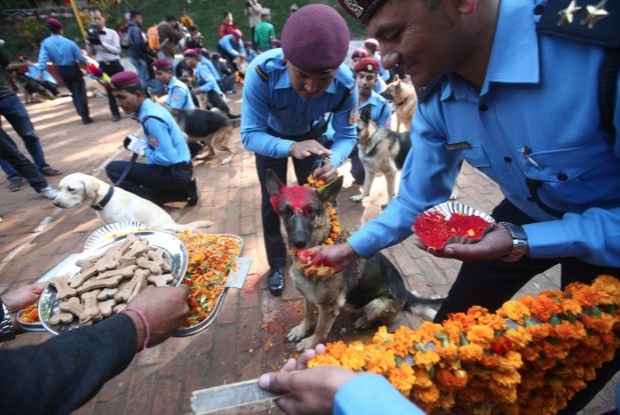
173,249
198,327
109,232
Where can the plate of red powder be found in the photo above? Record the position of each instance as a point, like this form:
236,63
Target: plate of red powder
451,222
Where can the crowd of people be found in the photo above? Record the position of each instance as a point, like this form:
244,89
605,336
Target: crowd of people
505,114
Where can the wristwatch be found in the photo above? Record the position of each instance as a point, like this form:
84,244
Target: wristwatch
7,332
520,246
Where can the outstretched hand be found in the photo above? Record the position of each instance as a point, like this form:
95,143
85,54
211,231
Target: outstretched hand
337,257
304,149
494,244
23,296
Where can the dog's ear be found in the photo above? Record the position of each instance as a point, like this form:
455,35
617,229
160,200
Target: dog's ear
91,187
396,78
366,113
329,191
273,182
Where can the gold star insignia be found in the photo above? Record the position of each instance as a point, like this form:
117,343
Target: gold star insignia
566,15
595,13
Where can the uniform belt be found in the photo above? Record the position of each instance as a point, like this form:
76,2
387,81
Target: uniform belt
109,62
182,166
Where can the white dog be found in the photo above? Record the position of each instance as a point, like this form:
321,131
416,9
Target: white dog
121,206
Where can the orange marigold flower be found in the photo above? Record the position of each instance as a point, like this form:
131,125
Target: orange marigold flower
471,353
422,378
608,288
380,361
510,361
382,336
480,334
604,323
402,378
571,307
583,294
324,360
515,311
426,359
448,352
337,349
426,395
567,330
452,379
544,307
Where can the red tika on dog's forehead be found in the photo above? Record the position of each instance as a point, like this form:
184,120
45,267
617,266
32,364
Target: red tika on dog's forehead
299,197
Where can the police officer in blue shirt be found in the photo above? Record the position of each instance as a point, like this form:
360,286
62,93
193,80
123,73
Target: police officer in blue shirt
231,48
167,174
521,104
66,55
178,93
287,93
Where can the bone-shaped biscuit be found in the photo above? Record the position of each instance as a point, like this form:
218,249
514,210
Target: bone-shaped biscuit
107,307
61,283
90,261
140,284
84,275
106,293
73,306
126,272
125,290
126,261
58,318
138,248
106,263
152,266
91,311
160,280
157,255
94,284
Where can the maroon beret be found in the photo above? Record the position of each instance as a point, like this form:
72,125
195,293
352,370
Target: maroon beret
367,65
190,53
315,38
359,53
53,23
361,9
125,80
162,64
371,43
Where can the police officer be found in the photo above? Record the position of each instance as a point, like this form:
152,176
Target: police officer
178,93
67,56
366,77
167,174
288,93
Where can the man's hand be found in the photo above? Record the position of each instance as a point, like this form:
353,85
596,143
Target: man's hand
304,149
338,257
494,244
326,171
23,296
134,144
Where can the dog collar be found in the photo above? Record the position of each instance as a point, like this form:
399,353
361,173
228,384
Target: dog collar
401,102
105,199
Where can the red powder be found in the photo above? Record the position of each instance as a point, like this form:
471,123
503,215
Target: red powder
434,230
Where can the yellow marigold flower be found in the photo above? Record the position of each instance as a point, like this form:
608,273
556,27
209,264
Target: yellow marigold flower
507,392
337,349
608,288
510,361
571,306
427,330
324,360
448,352
538,331
583,294
480,334
519,336
402,378
515,311
494,321
426,359
354,359
471,353
382,336
422,378
453,328
380,361
604,323
426,395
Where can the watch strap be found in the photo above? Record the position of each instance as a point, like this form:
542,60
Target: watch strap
7,332
520,246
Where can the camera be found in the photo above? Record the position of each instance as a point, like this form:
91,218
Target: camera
92,35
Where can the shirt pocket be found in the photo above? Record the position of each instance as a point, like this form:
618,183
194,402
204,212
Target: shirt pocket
576,178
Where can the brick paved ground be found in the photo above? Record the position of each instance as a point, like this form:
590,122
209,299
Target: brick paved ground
248,337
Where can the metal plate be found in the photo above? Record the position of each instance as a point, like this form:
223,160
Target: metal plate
109,232
173,249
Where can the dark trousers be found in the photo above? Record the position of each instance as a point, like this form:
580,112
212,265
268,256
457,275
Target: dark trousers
110,68
158,184
491,283
274,244
15,113
74,81
229,58
11,155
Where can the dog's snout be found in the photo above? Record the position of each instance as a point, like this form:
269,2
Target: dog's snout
299,244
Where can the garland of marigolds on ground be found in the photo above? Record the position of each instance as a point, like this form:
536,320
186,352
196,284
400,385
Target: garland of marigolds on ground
531,356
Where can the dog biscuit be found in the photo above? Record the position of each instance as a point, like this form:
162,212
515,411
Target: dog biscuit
79,279
58,318
160,280
73,306
91,285
106,263
91,311
138,248
126,272
63,291
125,290
140,284
90,261
106,293
157,255
107,307
154,267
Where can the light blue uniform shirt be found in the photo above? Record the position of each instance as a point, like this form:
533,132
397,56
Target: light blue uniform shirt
227,43
539,93
372,394
204,79
274,103
166,142
178,95
60,51
209,64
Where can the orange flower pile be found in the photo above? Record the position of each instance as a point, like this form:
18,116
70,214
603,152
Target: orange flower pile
321,271
29,314
531,356
435,230
211,259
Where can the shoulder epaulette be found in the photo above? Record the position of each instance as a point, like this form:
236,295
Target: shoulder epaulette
261,73
592,21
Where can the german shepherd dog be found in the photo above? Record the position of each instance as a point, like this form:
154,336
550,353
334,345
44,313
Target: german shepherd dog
211,128
33,91
372,285
381,151
401,93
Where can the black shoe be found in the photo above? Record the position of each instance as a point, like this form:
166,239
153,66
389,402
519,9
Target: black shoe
15,185
275,281
116,118
50,171
87,121
192,193
233,116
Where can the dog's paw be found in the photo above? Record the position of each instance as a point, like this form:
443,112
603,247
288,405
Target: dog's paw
298,332
362,323
307,343
357,198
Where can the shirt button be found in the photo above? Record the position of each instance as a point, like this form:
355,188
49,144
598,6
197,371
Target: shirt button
483,107
538,10
562,177
508,159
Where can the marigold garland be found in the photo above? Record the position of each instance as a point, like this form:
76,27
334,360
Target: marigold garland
320,272
531,356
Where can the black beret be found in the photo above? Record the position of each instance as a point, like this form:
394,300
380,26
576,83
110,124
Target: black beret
315,38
